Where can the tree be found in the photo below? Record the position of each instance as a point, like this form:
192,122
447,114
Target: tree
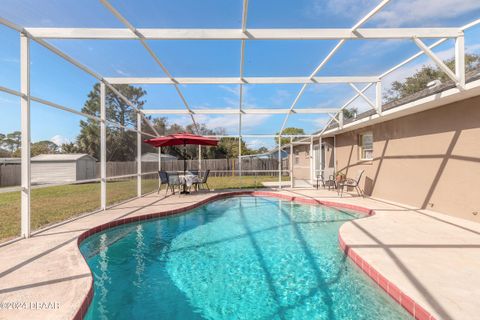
69,148
262,150
419,80
289,131
121,143
228,148
11,141
350,113
43,147
3,153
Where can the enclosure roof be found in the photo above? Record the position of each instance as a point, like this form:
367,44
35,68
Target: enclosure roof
435,90
154,37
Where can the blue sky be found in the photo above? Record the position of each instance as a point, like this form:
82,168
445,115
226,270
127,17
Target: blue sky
58,81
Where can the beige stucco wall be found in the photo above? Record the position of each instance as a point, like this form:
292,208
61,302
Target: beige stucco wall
429,160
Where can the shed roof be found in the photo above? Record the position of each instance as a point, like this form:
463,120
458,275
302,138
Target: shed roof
61,157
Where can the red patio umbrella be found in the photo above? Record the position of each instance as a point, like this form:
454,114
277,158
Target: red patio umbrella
183,138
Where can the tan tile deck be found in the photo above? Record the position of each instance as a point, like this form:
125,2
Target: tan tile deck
433,258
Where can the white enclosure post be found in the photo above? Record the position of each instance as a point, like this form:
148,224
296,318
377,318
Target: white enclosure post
199,158
25,128
239,156
378,97
280,161
139,155
103,149
340,119
159,165
291,162
312,168
335,154
240,145
460,60
320,161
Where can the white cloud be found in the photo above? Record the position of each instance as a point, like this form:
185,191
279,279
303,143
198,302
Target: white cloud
229,122
474,48
10,60
280,97
7,100
248,100
235,90
397,13
431,13
320,122
344,8
59,140
122,73
257,143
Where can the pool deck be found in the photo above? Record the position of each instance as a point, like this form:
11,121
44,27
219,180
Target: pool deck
431,257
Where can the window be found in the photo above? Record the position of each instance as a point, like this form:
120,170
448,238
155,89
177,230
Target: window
366,146
297,157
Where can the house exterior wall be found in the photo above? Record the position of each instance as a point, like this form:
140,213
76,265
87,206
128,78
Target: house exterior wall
427,160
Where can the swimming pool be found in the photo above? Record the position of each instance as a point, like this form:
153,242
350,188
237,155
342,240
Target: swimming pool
236,258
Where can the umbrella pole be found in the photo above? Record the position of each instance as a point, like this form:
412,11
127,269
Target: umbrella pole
184,169
184,159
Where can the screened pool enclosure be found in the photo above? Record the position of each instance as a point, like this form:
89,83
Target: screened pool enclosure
366,88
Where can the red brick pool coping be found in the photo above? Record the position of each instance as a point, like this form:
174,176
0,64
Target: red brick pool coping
400,297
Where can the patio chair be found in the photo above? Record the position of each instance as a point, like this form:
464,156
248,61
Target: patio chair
354,183
203,182
171,180
327,177
163,179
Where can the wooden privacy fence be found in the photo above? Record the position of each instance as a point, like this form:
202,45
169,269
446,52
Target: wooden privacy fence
226,167
10,174
218,167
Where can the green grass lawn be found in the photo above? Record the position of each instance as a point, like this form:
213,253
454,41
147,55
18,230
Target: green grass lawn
54,204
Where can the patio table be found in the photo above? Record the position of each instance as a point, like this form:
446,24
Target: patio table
188,180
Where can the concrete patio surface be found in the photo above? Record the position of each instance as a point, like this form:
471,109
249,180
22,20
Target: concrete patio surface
432,257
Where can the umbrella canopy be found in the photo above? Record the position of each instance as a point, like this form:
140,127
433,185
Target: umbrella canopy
181,139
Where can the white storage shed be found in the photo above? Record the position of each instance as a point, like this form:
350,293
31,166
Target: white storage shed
60,168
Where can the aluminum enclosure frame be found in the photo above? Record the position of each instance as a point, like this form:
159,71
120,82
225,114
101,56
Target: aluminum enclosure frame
244,34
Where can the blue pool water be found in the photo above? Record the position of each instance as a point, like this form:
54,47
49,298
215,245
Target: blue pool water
237,258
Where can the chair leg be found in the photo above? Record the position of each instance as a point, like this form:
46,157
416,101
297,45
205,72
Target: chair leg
207,186
359,191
